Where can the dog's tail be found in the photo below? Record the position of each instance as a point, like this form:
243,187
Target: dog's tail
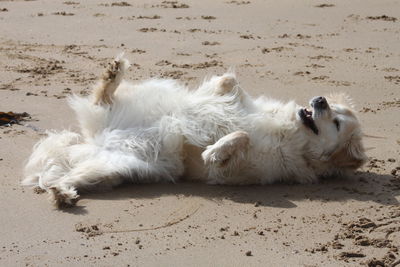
104,90
49,160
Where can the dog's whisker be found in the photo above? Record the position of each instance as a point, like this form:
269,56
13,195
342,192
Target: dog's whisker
374,136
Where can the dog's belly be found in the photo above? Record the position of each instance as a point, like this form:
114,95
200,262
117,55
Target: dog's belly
194,164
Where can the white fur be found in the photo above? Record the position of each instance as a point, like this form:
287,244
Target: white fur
141,133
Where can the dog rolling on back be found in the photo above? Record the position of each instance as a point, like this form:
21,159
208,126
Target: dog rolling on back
158,130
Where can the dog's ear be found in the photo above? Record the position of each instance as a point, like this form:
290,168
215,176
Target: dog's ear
351,155
341,99
356,150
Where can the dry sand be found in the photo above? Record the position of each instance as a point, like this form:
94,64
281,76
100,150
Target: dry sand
285,49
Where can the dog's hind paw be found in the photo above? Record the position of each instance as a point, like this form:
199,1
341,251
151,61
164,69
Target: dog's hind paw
116,70
63,198
109,82
112,71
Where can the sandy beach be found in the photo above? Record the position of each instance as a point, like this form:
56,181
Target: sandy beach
50,49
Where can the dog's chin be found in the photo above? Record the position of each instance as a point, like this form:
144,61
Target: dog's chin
306,117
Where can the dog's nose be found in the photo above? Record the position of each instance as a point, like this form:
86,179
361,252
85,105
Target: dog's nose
319,102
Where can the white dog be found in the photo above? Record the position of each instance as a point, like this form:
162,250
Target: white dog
158,130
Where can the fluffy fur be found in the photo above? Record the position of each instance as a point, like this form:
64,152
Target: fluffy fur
158,130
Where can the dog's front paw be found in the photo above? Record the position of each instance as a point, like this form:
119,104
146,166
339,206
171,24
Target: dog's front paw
63,197
231,147
214,155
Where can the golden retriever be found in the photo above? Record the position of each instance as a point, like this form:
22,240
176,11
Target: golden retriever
159,130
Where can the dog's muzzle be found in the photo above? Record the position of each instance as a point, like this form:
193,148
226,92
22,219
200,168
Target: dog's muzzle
319,103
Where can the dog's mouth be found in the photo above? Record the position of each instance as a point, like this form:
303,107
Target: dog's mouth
307,120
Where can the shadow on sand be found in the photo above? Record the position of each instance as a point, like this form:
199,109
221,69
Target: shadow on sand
364,186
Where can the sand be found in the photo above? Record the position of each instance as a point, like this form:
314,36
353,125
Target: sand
50,49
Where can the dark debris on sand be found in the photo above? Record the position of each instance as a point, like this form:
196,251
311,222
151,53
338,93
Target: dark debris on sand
9,118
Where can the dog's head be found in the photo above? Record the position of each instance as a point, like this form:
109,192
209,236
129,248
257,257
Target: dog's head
334,132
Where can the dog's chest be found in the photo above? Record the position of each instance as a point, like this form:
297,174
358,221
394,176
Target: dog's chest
193,162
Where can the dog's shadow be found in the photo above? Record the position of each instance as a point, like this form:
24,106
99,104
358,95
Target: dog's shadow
364,186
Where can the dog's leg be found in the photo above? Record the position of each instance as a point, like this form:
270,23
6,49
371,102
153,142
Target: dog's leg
106,169
221,85
65,194
225,156
104,90
230,147
228,85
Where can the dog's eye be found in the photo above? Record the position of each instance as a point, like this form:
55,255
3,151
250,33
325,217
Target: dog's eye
336,122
